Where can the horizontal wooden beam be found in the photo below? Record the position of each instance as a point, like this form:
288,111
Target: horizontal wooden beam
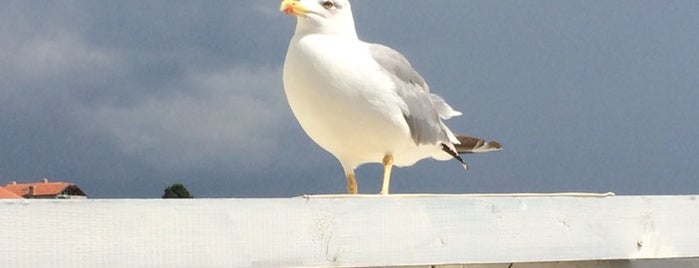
347,231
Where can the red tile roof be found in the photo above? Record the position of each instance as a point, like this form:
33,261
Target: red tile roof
43,188
7,194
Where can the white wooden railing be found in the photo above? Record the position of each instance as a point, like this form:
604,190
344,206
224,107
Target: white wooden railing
510,230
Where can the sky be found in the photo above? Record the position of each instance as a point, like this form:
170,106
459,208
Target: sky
126,97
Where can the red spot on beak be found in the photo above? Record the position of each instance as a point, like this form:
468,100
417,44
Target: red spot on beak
288,10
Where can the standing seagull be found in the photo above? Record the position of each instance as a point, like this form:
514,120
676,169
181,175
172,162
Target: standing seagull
363,102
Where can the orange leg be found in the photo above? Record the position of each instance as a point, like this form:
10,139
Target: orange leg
351,184
387,165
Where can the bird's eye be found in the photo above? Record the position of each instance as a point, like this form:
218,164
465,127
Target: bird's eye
328,4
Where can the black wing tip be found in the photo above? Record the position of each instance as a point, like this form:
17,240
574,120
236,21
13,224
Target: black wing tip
455,155
469,144
494,145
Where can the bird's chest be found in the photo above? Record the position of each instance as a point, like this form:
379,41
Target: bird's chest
330,73
337,90
333,65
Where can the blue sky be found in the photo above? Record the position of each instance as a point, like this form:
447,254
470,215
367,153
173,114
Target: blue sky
126,97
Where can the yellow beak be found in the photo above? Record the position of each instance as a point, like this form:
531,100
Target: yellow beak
293,7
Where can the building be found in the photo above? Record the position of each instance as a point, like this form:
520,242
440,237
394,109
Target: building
7,194
43,190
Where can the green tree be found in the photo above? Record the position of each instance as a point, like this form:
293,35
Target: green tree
177,191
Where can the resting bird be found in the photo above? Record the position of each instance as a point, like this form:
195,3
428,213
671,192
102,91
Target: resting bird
363,102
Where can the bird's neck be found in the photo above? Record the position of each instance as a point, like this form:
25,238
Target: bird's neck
343,30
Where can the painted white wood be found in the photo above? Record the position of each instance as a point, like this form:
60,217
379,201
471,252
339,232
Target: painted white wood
645,263
322,231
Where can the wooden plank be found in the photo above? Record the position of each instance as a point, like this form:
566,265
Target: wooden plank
644,263
347,232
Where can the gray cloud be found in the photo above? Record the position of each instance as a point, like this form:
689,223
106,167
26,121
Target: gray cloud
234,114
117,93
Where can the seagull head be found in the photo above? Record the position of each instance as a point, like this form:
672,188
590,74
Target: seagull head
321,16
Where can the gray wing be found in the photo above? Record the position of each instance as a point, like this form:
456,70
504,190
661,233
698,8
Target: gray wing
425,110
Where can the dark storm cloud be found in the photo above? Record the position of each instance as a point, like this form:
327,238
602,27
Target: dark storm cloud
131,92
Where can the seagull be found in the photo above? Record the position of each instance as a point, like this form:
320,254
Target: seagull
363,102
